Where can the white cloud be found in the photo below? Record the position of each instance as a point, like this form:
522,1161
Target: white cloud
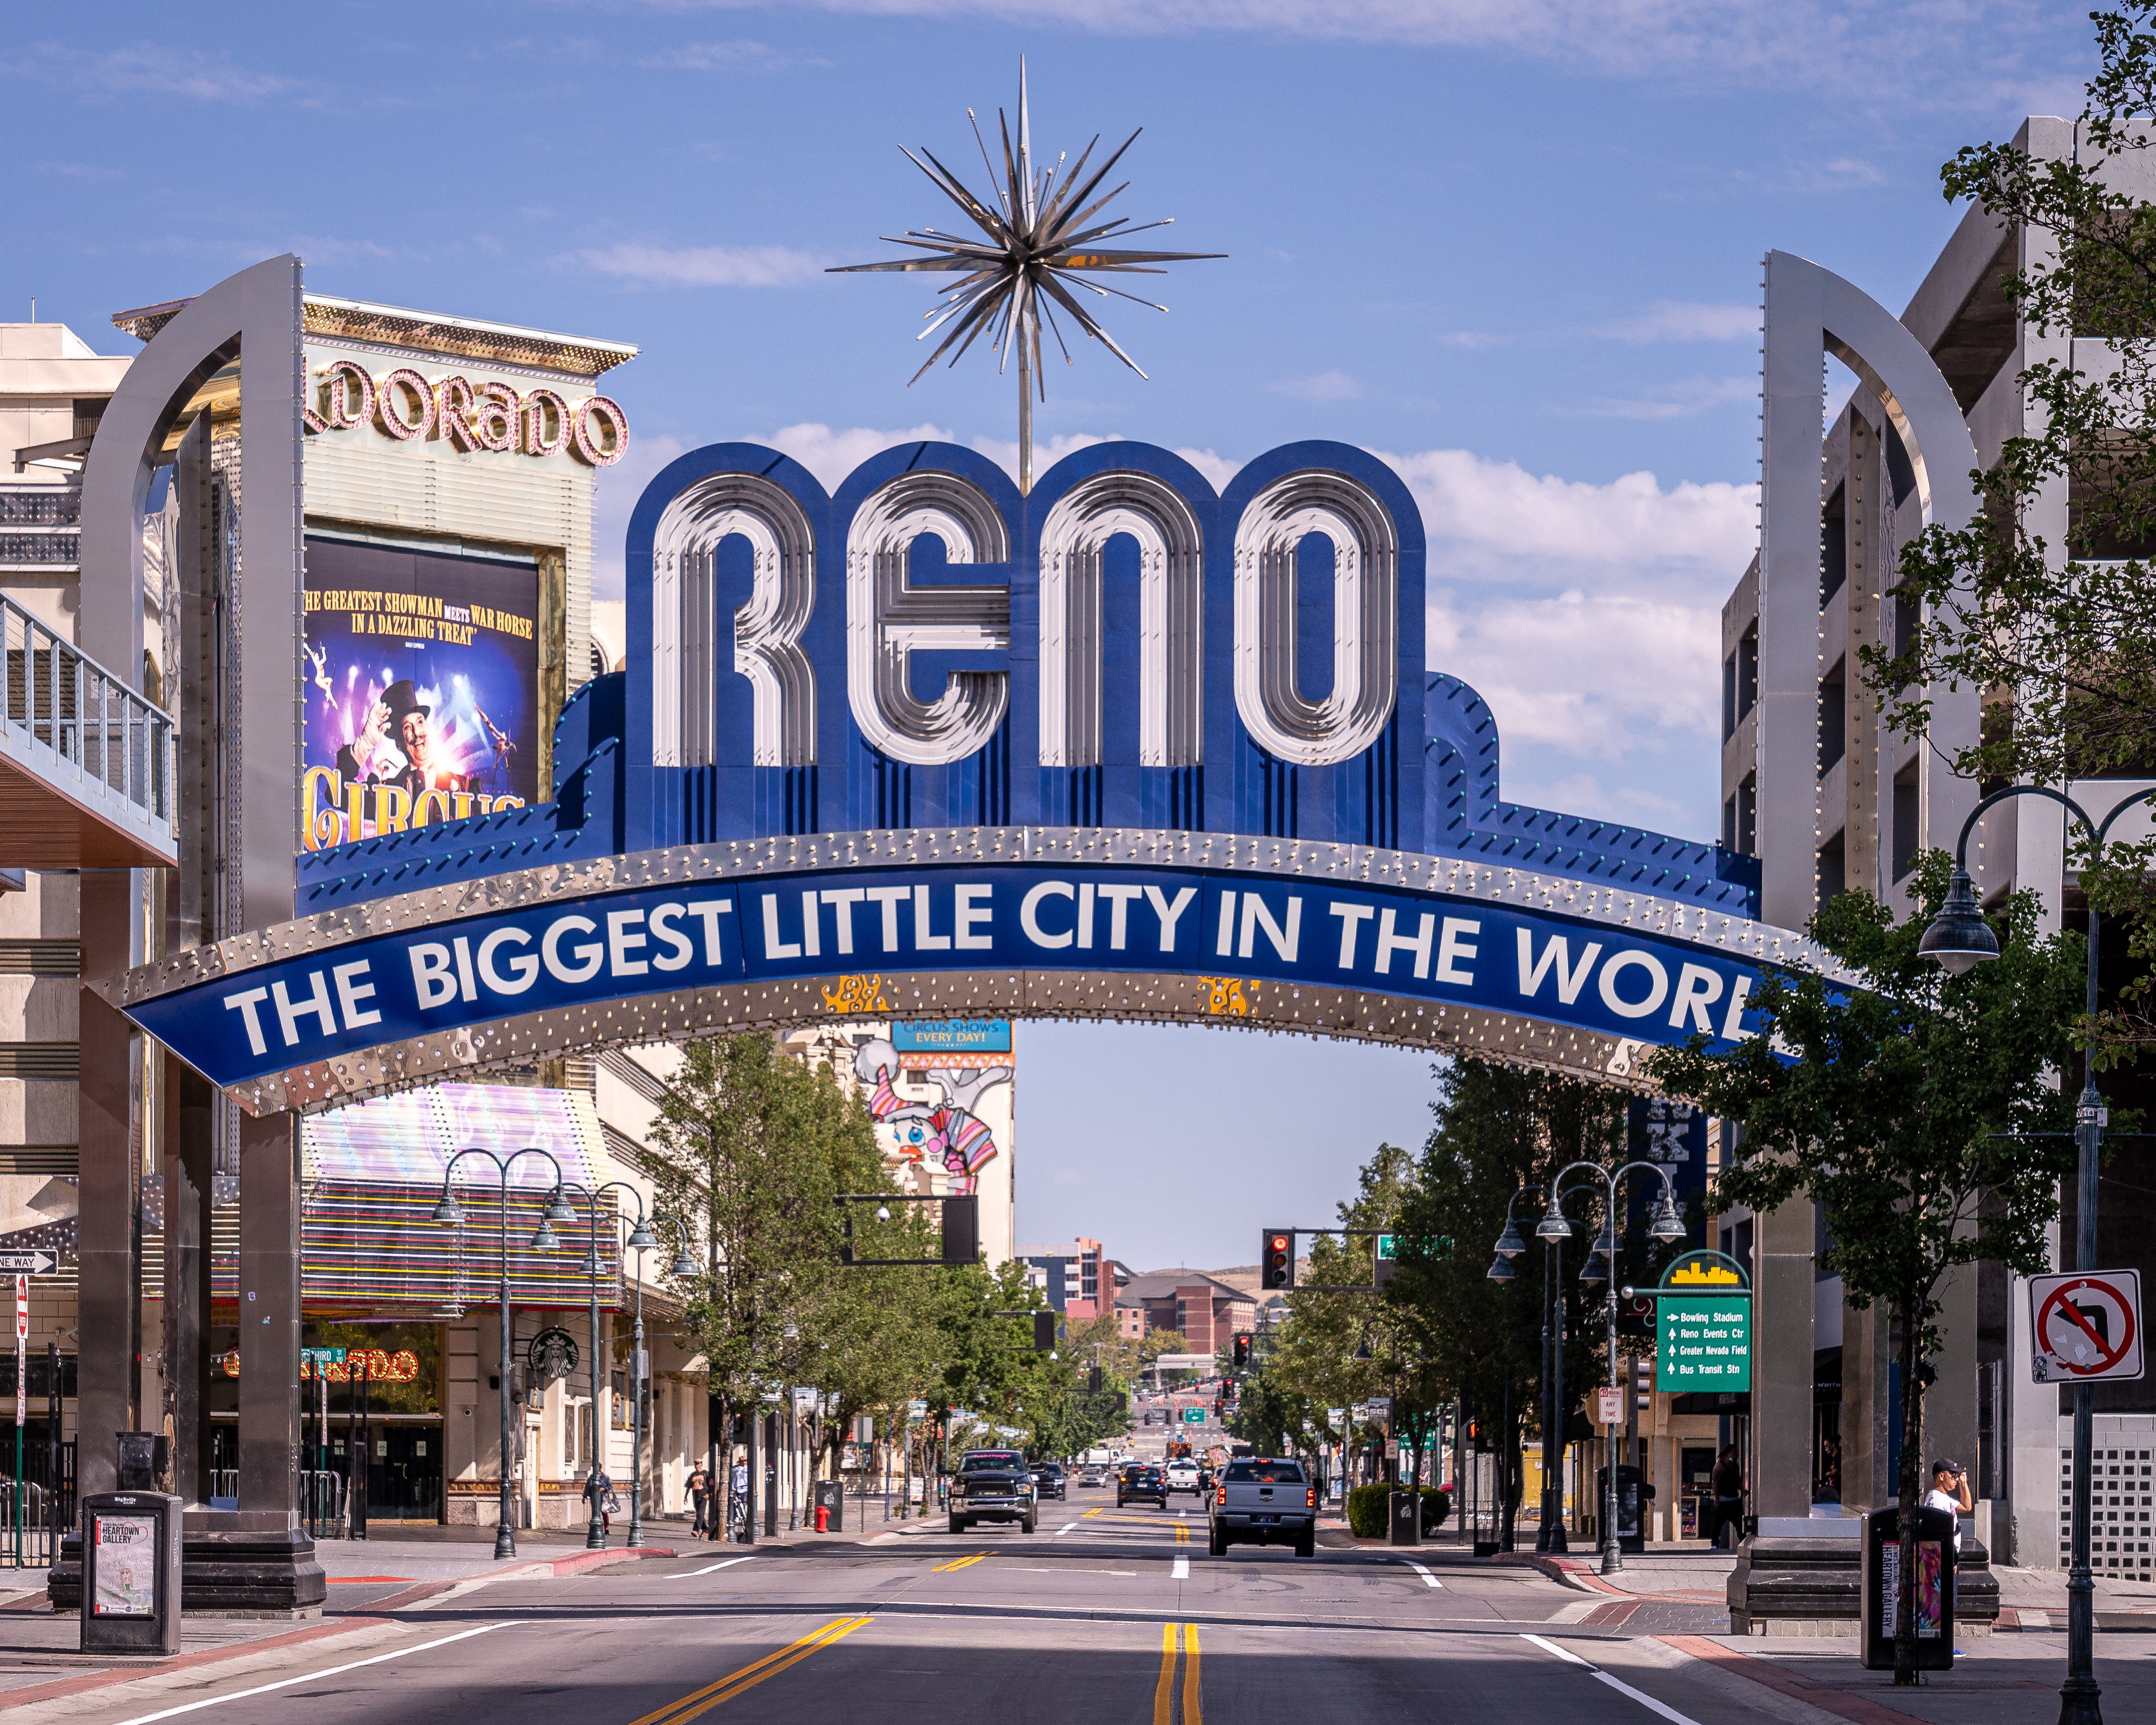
178,71
1684,320
1584,793
1988,56
1495,520
722,56
703,265
1325,385
1686,400
1596,676
831,455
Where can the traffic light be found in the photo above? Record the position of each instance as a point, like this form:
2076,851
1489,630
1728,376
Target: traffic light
1093,1382
962,1231
1044,1332
1277,1257
1242,1352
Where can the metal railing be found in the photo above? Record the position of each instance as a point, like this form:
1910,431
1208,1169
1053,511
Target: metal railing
54,697
321,1499
35,1543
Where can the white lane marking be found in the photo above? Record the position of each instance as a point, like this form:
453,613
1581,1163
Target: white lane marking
1065,1528
1646,1701
1423,1572
333,1671
708,1568
1182,1570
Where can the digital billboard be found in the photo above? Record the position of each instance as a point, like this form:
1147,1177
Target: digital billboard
421,679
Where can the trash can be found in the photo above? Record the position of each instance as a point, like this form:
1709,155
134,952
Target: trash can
1879,1612
1406,1517
130,1572
831,1495
1630,1537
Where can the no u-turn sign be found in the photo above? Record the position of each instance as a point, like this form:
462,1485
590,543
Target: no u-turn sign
2084,1327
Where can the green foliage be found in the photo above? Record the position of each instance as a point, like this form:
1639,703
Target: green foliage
1499,1131
1887,1096
2062,637
1369,1511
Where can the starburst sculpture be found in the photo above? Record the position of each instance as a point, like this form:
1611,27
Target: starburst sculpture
1040,242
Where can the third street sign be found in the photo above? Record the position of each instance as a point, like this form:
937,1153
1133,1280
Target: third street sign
1706,1343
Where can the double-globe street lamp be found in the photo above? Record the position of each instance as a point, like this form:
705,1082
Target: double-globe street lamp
1667,1227
543,1240
640,1240
1958,939
1550,1536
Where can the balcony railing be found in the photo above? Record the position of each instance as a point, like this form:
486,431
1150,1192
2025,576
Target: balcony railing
69,721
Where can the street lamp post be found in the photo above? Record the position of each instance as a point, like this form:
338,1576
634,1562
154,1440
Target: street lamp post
1667,1226
543,1240
683,1269
1958,939
639,1239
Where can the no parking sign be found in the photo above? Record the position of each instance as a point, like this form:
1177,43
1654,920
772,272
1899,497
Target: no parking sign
2084,1327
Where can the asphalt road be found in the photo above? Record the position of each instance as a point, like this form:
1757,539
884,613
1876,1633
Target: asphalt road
1101,1614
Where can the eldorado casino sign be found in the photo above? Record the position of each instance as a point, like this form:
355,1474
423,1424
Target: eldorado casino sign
1120,748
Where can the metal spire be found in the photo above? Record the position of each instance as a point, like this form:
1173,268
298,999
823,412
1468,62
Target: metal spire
1037,244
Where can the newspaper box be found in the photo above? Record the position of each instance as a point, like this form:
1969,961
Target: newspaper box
131,1572
1882,1590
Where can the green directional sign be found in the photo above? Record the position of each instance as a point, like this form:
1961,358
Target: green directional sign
1705,1344
1193,1416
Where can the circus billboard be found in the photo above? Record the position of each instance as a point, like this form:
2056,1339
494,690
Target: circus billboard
421,680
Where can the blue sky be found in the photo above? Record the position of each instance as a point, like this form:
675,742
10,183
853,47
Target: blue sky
1513,244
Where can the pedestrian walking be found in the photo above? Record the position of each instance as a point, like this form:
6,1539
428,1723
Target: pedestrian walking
598,1493
1728,1483
739,1505
699,1491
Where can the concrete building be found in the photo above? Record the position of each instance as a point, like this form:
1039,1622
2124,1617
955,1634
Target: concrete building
1828,799
393,500
1071,1274
1205,1312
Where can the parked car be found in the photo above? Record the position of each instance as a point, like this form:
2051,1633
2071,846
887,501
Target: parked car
1262,1500
991,1486
1047,1479
1141,1482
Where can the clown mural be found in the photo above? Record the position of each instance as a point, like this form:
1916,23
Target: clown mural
942,1097
949,1134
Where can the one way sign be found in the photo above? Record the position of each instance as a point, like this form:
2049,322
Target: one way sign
28,1263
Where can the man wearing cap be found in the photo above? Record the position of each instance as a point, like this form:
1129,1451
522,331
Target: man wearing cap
1950,1492
400,711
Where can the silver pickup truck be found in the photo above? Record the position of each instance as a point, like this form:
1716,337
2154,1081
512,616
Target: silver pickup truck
1263,1501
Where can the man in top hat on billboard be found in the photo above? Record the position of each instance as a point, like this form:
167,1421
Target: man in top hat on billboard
399,709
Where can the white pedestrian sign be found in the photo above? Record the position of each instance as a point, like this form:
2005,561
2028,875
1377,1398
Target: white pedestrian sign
2086,1326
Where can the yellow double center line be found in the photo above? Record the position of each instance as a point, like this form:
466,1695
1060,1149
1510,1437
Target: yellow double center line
1164,1694
711,1695
955,1563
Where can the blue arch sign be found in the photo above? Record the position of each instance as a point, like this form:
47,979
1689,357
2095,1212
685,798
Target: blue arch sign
1125,747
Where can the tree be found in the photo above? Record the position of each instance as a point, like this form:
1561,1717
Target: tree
749,1148
1498,1130
1337,1350
2061,637
1883,1095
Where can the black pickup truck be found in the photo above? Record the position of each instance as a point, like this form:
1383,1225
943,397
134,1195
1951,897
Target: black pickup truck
991,1486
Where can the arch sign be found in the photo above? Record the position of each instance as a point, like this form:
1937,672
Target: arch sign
1125,747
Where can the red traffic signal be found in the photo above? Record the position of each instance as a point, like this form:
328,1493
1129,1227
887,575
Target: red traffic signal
1242,1355
1276,1258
